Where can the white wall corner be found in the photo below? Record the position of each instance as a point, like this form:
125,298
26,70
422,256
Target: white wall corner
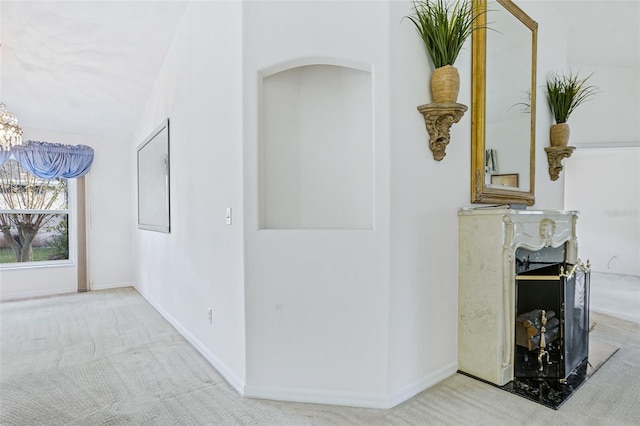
412,389
236,382
108,286
352,399
315,396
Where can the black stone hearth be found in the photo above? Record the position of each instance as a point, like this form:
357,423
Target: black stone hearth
548,392
551,393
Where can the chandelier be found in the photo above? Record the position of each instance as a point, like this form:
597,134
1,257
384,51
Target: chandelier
10,132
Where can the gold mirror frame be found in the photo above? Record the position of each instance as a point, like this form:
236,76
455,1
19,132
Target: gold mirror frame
480,193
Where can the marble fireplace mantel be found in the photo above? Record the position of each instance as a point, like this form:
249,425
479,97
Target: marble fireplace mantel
487,242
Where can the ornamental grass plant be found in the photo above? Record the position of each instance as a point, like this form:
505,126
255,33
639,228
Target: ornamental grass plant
444,27
566,92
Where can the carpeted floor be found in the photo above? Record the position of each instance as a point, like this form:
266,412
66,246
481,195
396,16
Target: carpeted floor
108,358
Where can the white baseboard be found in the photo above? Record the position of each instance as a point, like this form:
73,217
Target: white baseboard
109,285
352,399
38,293
235,381
412,389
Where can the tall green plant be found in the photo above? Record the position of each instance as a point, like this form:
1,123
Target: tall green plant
444,27
566,92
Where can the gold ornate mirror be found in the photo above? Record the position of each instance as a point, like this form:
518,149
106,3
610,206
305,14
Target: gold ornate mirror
503,100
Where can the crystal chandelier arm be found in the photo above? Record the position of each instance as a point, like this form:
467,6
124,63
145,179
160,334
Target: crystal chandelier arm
10,132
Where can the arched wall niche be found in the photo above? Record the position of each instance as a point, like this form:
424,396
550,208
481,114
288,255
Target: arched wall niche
316,145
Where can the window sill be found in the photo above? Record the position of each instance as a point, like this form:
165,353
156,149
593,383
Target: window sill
38,264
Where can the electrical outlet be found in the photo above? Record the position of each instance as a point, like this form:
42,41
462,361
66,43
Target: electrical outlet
210,312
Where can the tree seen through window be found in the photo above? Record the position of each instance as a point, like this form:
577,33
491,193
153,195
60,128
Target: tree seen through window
34,216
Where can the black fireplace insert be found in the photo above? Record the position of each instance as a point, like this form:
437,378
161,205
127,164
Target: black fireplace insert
551,331
558,296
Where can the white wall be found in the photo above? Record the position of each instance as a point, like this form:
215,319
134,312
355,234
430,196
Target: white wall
108,192
612,54
199,264
601,178
317,300
604,185
425,197
599,37
108,195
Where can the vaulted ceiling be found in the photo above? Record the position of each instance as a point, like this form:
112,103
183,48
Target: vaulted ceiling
83,66
88,66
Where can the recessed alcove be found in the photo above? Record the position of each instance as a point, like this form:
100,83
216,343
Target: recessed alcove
316,149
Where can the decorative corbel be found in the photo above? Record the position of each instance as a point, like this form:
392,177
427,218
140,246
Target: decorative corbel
555,155
438,118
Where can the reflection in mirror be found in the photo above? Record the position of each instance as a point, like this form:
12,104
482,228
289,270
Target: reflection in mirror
503,100
153,181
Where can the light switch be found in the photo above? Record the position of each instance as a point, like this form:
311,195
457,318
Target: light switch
228,216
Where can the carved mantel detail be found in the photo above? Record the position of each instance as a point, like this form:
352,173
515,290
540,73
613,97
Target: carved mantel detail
547,231
439,118
555,155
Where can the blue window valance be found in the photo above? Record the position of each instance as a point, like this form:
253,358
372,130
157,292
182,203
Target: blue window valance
4,156
50,160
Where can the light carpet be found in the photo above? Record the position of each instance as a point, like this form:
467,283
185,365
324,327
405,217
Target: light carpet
108,358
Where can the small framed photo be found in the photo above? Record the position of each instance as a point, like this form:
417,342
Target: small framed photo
511,180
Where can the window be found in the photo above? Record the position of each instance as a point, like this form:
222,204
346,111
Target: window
34,217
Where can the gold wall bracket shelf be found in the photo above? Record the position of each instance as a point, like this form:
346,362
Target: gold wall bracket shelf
555,155
439,118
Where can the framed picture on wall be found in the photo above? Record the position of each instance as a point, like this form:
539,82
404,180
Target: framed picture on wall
153,181
510,180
